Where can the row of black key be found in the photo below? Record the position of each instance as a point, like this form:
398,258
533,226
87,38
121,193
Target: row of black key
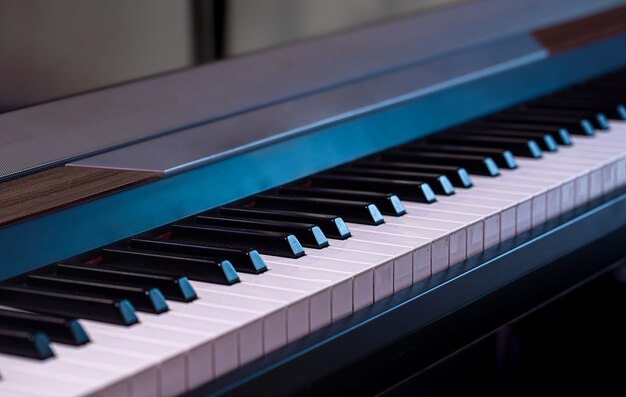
214,246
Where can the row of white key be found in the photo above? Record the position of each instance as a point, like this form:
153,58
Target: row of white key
232,325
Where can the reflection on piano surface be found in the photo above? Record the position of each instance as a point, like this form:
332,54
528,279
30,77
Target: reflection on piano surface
399,219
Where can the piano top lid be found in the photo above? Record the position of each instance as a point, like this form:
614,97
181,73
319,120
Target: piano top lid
68,129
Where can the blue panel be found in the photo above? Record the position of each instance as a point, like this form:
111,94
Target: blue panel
45,239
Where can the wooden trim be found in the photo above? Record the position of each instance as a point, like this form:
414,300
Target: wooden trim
583,31
62,187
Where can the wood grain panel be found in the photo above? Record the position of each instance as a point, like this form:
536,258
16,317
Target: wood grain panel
583,31
58,188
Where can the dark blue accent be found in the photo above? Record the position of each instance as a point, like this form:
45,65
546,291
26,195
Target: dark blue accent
79,335
186,289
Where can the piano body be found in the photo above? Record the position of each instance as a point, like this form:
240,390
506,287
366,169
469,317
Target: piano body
289,148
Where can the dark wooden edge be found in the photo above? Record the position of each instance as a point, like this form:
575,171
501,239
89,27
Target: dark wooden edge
51,190
409,331
583,31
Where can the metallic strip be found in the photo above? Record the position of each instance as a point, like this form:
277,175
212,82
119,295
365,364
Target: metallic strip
64,130
199,146
37,242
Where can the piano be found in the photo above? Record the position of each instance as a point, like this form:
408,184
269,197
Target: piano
327,217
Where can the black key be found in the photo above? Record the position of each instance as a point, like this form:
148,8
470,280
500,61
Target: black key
594,94
612,109
573,124
405,189
561,135
62,330
387,203
202,269
457,175
308,234
545,141
270,243
25,344
518,146
116,311
597,119
440,184
148,300
173,287
352,211
243,260
332,226
503,157
479,165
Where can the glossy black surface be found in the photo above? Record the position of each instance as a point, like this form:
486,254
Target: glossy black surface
271,243
173,287
518,146
503,157
148,300
479,165
333,226
457,175
116,311
351,211
243,260
308,234
387,203
545,141
196,268
58,329
440,184
25,344
560,134
406,189
574,125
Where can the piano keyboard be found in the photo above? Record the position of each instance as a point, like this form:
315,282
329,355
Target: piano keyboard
164,313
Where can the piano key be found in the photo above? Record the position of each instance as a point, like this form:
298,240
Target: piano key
25,343
332,225
387,203
203,269
397,256
23,384
352,211
58,329
517,146
488,214
58,303
406,189
364,282
342,291
172,287
439,183
545,141
478,165
144,299
457,175
612,109
574,125
243,260
308,234
561,135
597,119
276,243
503,158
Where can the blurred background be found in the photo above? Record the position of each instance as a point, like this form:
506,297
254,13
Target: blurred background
50,49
